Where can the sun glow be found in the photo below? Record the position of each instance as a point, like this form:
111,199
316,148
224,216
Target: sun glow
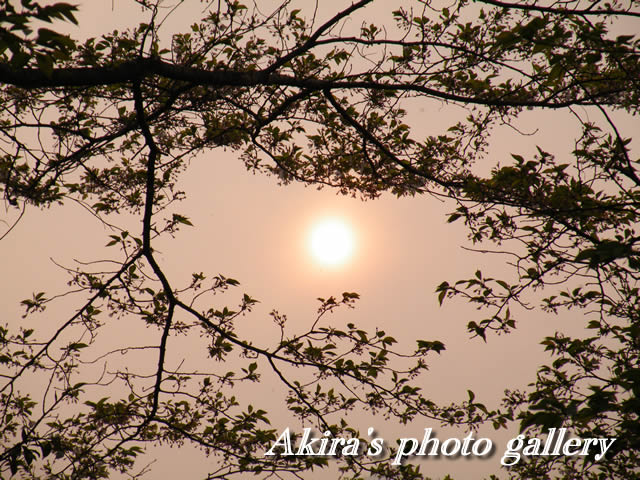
331,242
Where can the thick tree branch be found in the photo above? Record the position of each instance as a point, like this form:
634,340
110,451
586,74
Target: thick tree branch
141,68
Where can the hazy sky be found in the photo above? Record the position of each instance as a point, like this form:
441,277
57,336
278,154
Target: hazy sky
249,228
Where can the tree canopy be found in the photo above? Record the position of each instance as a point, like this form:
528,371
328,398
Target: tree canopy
323,99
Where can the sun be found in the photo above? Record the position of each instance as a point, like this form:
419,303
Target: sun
331,242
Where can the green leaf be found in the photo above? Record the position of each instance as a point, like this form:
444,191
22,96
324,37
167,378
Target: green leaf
77,346
181,219
45,64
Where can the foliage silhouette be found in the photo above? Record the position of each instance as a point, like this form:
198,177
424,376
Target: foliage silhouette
322,102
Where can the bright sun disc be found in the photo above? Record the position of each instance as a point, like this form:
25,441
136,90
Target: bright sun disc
331,242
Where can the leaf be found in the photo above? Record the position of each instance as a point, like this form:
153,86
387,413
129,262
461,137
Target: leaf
441,296
453,217
181,219
45,64
545,420
436,345
45,447
556,73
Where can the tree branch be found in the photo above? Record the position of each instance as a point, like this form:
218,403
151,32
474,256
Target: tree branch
562,11
141,68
